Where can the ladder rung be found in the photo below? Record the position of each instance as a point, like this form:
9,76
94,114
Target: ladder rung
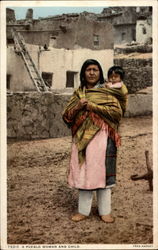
29,63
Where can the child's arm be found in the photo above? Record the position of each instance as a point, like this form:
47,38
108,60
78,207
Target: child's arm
116,85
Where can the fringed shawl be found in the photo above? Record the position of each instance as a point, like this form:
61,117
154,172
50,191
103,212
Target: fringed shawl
106,106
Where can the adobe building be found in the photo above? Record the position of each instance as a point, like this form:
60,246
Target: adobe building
58,46
126,23
144,25
69,31
10,16
65,41
59,51
123,19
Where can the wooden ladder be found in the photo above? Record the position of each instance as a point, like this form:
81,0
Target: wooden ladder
20,48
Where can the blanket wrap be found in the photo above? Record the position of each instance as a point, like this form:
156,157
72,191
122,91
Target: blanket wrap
106,106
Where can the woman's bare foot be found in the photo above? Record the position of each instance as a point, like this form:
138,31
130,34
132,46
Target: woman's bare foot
107,218
79,217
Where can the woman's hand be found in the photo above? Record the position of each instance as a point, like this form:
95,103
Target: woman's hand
82,103
88,107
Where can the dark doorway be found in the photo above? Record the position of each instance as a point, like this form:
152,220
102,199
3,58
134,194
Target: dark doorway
8,81
123,36
47,77
133,35
70,79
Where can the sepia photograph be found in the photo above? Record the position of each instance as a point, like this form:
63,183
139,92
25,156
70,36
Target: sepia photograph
79,125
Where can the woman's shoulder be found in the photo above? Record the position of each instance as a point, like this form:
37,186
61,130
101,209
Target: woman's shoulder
124,88
100,86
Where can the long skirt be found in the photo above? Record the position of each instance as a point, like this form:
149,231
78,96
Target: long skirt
99,168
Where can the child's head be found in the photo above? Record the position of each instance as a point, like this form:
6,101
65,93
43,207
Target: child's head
116,74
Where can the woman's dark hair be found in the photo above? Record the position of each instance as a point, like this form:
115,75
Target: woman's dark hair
83,69
118,70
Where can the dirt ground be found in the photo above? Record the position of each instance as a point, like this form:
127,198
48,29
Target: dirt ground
40,203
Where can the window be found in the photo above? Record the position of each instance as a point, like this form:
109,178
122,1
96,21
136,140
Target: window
71,79
123,35
47,77
96,40
52,41
133,34
8,81
142,9
144,30
10,41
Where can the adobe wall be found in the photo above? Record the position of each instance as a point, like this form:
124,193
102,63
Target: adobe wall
10,15
36,115
70,33
63,60
133,48
58,61
119,15
143,30
36,37
87,28
129,33
20,79
140,103
138,72
55,61
39,115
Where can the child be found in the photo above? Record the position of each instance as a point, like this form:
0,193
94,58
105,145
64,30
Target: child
115,81
115,77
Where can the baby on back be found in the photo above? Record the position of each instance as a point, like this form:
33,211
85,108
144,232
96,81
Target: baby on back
115,81
115,77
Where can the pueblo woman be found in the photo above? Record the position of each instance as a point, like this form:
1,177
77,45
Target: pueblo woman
93,114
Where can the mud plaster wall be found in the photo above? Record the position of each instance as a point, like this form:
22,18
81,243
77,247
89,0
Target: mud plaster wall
20,79
10,15
138,73
36,37
76,33
124,33
143,25
39,115
36,115
87,29
55,61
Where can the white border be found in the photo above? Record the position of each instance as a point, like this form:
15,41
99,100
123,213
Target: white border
155,123
3,135
81,3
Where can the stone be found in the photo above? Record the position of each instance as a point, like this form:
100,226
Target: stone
139,104
44,120
138,72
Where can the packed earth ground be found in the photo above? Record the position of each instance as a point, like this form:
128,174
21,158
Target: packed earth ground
40,203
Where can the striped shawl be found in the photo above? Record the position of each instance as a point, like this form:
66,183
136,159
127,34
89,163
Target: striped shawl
106,106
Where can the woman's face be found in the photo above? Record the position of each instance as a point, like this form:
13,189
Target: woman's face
92,74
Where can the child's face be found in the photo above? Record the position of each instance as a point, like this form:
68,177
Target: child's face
114,77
